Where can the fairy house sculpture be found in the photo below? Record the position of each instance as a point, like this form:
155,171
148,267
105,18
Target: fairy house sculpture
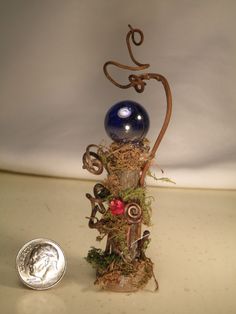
120,205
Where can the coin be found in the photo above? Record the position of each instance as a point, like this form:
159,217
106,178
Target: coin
40,264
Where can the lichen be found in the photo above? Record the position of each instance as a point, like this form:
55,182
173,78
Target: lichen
162,179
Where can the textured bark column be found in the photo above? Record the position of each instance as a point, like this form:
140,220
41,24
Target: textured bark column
129,179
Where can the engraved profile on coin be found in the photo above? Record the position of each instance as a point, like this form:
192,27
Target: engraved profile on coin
42,260
40,264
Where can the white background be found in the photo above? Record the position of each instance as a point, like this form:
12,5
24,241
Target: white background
54,95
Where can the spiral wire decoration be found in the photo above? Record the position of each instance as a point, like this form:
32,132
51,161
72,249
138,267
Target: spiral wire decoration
133,213
91,161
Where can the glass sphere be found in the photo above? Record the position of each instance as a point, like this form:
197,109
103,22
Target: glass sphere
127,121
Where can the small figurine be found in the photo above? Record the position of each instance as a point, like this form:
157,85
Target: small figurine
120,205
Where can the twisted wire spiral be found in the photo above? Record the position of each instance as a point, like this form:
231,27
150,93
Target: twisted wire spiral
133,213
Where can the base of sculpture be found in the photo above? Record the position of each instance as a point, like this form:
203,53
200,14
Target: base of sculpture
115,280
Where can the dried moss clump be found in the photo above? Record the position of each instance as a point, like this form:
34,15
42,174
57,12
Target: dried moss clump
111,268
114,273
140,273
124,156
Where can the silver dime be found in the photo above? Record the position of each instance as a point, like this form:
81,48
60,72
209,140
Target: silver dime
40,264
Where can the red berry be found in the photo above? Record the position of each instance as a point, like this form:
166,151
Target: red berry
117,207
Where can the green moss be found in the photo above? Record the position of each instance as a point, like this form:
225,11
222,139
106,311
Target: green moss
100,260
120,240
137,195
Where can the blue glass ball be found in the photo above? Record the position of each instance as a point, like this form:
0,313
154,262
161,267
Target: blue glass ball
127,121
